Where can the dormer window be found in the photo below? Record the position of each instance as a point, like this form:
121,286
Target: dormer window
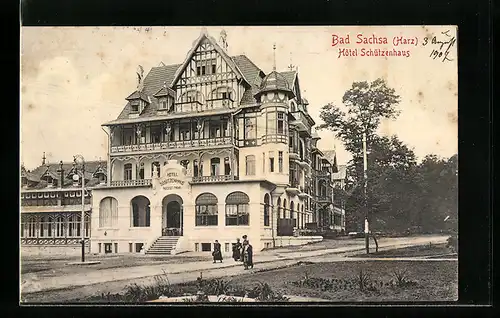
135,106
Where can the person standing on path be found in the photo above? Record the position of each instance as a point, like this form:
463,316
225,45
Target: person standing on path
217,254
237,250
247,254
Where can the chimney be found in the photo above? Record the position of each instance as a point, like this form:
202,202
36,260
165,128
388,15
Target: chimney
61,171
43,159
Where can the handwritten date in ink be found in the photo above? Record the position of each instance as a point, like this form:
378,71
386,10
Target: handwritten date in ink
441,47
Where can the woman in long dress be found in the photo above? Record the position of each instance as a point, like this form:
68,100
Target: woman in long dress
247,255
217,254
237,250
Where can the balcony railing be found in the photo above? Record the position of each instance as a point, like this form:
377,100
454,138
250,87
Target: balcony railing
207,142
214,178
131,183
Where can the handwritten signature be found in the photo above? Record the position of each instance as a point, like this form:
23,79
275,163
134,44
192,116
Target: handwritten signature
441,48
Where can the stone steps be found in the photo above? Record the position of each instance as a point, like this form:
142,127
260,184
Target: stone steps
163,245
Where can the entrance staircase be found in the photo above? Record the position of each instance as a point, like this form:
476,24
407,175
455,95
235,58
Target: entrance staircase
163,245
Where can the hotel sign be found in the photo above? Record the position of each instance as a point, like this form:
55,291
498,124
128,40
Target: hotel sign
173,176
172,181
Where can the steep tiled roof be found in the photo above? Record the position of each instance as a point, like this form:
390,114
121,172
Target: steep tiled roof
290,77
138,95
251,72
341,174
52,170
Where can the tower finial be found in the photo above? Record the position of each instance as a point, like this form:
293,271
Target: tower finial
274,57
291,66
43,158
223,39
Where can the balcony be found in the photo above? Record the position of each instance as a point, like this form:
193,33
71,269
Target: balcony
131,183
301,122
181,144
294,188
208,179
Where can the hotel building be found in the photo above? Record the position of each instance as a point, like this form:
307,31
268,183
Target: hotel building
211,149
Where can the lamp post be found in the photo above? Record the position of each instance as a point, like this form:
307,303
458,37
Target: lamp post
75,178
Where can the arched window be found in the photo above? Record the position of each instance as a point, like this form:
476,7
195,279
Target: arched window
266,210
140,212
285,207
108,212
222,93
237,209
206,209
292,216
31,227
60,227
293,107
302,218
278,204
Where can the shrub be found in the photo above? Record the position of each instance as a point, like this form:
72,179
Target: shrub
263,292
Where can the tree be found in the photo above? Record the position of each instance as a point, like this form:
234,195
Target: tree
367,104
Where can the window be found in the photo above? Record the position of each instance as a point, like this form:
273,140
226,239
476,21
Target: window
134,106
280,161
263,162
198,70
226,247
227,166
284,208
127,171
141,171
215,130
206,247
141,213
196,247
60,231
138,247
206,210
237,209
281,123
250,165
108,212
291,210
213,68
214,166
203,70
196,168
271,161
266,210
158,167
278,204
250,131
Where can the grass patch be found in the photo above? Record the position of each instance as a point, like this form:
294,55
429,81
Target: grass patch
201,289
413,251
365,281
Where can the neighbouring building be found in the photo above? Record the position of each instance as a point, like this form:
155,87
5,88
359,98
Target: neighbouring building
51,207
210,149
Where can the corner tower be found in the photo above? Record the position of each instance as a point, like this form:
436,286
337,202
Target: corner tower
274,95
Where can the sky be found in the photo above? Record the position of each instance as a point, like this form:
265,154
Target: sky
77,78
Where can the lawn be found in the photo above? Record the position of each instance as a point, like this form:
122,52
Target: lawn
422,281
412,251
434,281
